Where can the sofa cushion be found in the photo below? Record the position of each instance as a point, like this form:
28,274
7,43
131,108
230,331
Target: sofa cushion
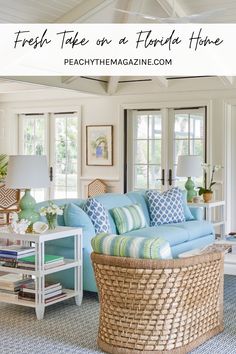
191,245
128,246
196,229
174,235
187,212
74,216
128,218
166,207
98,215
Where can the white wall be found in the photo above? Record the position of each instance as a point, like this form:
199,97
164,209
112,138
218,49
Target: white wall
109,110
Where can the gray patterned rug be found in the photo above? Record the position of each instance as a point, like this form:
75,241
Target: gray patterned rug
69,329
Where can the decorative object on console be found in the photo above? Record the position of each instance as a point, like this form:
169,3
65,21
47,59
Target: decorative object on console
40,227
166,207
207,191
26,172
96,187
197,199
51,212
19,226
99,145
189,166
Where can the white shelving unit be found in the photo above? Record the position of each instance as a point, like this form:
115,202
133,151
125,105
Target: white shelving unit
39,273
209,215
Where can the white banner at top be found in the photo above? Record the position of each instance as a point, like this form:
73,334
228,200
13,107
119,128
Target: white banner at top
117,49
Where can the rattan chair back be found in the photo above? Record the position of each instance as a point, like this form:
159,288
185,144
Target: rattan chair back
158,306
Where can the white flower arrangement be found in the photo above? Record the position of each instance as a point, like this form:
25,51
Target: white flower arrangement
51,212
51,209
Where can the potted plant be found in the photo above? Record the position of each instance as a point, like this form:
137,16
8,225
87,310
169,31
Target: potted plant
3,167
207,191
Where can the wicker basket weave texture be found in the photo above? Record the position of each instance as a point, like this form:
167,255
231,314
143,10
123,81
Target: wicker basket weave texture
158,306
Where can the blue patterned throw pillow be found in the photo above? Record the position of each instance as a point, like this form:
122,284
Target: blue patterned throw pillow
98,215
167,207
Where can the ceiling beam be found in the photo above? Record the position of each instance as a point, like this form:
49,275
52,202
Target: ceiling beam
68,79
83,11
112,84
160,81
79,84
227,80
172,7
132,6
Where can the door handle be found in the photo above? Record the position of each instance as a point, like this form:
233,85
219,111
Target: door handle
162,179
51,174
170,180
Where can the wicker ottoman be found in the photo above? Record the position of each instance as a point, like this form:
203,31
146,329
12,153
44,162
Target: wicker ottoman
152,306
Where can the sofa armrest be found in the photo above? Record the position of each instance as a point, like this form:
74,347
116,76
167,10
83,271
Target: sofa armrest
197,213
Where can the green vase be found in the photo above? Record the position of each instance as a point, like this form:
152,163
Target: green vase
52,221
189,185
27,207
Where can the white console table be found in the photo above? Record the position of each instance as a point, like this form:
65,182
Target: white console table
220,204
39,273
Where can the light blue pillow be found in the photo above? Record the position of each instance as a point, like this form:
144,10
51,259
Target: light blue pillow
74,216
187,213
131,246
98,215
166,207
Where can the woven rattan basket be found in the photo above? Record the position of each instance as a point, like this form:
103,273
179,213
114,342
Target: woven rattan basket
158,306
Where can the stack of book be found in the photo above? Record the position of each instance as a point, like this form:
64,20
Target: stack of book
10,285
52,292
10,255
50,261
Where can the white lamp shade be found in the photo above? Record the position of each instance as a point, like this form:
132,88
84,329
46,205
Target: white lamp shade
27,171
189,166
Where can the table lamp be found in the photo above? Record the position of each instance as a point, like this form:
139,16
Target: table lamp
189,166
26,172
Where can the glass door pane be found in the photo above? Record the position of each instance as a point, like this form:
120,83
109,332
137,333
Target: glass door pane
33,141
146,150
64,148
188,138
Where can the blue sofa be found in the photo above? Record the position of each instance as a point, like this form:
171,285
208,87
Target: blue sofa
181,236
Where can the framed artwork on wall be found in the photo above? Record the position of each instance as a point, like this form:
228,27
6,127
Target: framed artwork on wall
99,145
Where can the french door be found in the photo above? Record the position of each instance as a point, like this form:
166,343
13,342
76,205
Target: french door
56,135
155,139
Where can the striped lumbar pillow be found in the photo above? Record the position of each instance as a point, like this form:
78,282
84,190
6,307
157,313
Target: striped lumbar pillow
129,218
131,246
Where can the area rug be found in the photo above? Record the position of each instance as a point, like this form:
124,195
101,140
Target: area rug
69,329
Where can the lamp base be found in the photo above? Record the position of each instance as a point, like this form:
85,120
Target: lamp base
27,206
189,185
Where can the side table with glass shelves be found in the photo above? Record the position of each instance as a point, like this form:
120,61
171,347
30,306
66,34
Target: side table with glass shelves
39,273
